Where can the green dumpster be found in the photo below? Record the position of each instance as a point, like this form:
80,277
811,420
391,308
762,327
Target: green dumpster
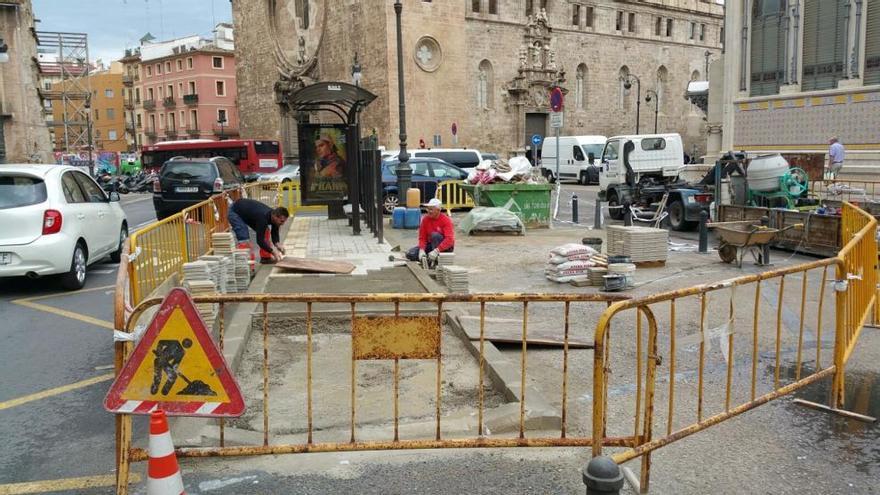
530,202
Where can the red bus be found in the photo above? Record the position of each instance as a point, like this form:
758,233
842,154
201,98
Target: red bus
251,155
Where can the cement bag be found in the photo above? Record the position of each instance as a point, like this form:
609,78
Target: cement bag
573,249
486,219
557,259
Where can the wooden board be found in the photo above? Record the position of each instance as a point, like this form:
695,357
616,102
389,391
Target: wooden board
509,331
307,265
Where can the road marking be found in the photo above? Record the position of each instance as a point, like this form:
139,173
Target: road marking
54,391
64,484
63,312
103,272
28,302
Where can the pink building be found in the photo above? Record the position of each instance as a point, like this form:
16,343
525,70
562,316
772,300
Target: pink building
185,89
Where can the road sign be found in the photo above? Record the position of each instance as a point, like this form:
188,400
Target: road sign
176,367
556,120
556,99
536,139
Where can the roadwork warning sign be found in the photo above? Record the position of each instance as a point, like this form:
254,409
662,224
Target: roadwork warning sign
176,367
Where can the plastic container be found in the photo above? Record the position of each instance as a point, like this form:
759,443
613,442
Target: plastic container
529,202
412,218
593,242
614,282
626,270
413,197
398,217
619,259
764,172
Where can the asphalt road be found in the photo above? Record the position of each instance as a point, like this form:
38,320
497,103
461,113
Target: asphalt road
56,359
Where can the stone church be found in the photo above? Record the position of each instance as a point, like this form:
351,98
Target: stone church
484,65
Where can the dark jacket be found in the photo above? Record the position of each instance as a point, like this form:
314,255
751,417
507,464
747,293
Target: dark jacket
257,216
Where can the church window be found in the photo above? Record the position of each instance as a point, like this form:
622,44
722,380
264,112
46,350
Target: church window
484,85
475,5
588,18
493,6
631,24
767,49
580,88
576,15
825,24
618,26
872,44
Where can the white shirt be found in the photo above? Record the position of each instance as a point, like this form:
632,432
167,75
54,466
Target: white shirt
836,152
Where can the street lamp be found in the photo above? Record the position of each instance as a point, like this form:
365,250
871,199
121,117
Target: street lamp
356,71
652,95
221,123
627,84
404,174
706,72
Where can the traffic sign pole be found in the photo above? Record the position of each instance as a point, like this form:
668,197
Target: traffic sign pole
556,104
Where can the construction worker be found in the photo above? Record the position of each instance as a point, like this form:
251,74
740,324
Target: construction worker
436,234
246,213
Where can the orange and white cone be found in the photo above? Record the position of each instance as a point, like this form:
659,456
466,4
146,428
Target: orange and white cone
163,473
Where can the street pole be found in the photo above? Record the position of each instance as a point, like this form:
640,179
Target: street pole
652,95
404,174
627,84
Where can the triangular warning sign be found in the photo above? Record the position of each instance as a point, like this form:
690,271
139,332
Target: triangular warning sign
176,367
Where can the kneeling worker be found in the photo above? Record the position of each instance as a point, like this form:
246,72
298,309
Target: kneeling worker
246,213
436,234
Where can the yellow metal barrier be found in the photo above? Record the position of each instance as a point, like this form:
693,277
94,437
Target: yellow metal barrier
290,197
159,250
393,337
746,345
453,196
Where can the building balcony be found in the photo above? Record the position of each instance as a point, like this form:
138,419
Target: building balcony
129,128
149,104
150,132
194,132
225,131
127,81
191,100
128,105
169,102
171,133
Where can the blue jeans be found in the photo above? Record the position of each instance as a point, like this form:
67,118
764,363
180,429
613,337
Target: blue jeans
435,240
239,228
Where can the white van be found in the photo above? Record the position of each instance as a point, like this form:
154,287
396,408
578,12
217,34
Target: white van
463,158
578,158
658,155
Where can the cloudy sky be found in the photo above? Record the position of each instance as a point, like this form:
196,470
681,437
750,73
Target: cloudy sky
114,25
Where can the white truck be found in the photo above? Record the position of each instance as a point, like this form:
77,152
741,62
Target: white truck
639,170
578,158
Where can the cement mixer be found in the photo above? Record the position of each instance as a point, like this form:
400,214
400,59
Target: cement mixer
772,182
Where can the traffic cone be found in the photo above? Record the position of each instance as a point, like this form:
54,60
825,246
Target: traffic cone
163,473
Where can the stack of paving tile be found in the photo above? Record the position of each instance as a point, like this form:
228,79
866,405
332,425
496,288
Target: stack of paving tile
218,271
242,267
639,243
224,243
203,288
196,270
596,275
455,278
446,259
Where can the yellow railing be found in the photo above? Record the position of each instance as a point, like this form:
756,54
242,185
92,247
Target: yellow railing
768,334
453,196
290,197
159,250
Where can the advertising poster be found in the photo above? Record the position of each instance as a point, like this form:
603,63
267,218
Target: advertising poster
323,163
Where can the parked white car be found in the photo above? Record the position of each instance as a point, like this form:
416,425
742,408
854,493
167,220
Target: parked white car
55,219
284,174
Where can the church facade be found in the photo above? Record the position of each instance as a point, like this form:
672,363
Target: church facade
484,65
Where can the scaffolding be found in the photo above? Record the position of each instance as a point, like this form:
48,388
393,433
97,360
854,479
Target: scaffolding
74,90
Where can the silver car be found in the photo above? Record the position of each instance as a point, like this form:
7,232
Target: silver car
284,174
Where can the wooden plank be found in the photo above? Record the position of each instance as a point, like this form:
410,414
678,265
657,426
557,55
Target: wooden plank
509,331
314,266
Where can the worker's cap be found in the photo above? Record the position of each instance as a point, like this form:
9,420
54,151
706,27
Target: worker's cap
434,203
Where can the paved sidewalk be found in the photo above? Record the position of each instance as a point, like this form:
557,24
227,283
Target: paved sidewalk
321,238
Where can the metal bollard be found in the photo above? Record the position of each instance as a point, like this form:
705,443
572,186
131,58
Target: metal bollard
574,208
704,232
597,215
765,249
627,215
602,476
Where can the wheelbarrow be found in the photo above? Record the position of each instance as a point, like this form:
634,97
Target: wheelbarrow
738,237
